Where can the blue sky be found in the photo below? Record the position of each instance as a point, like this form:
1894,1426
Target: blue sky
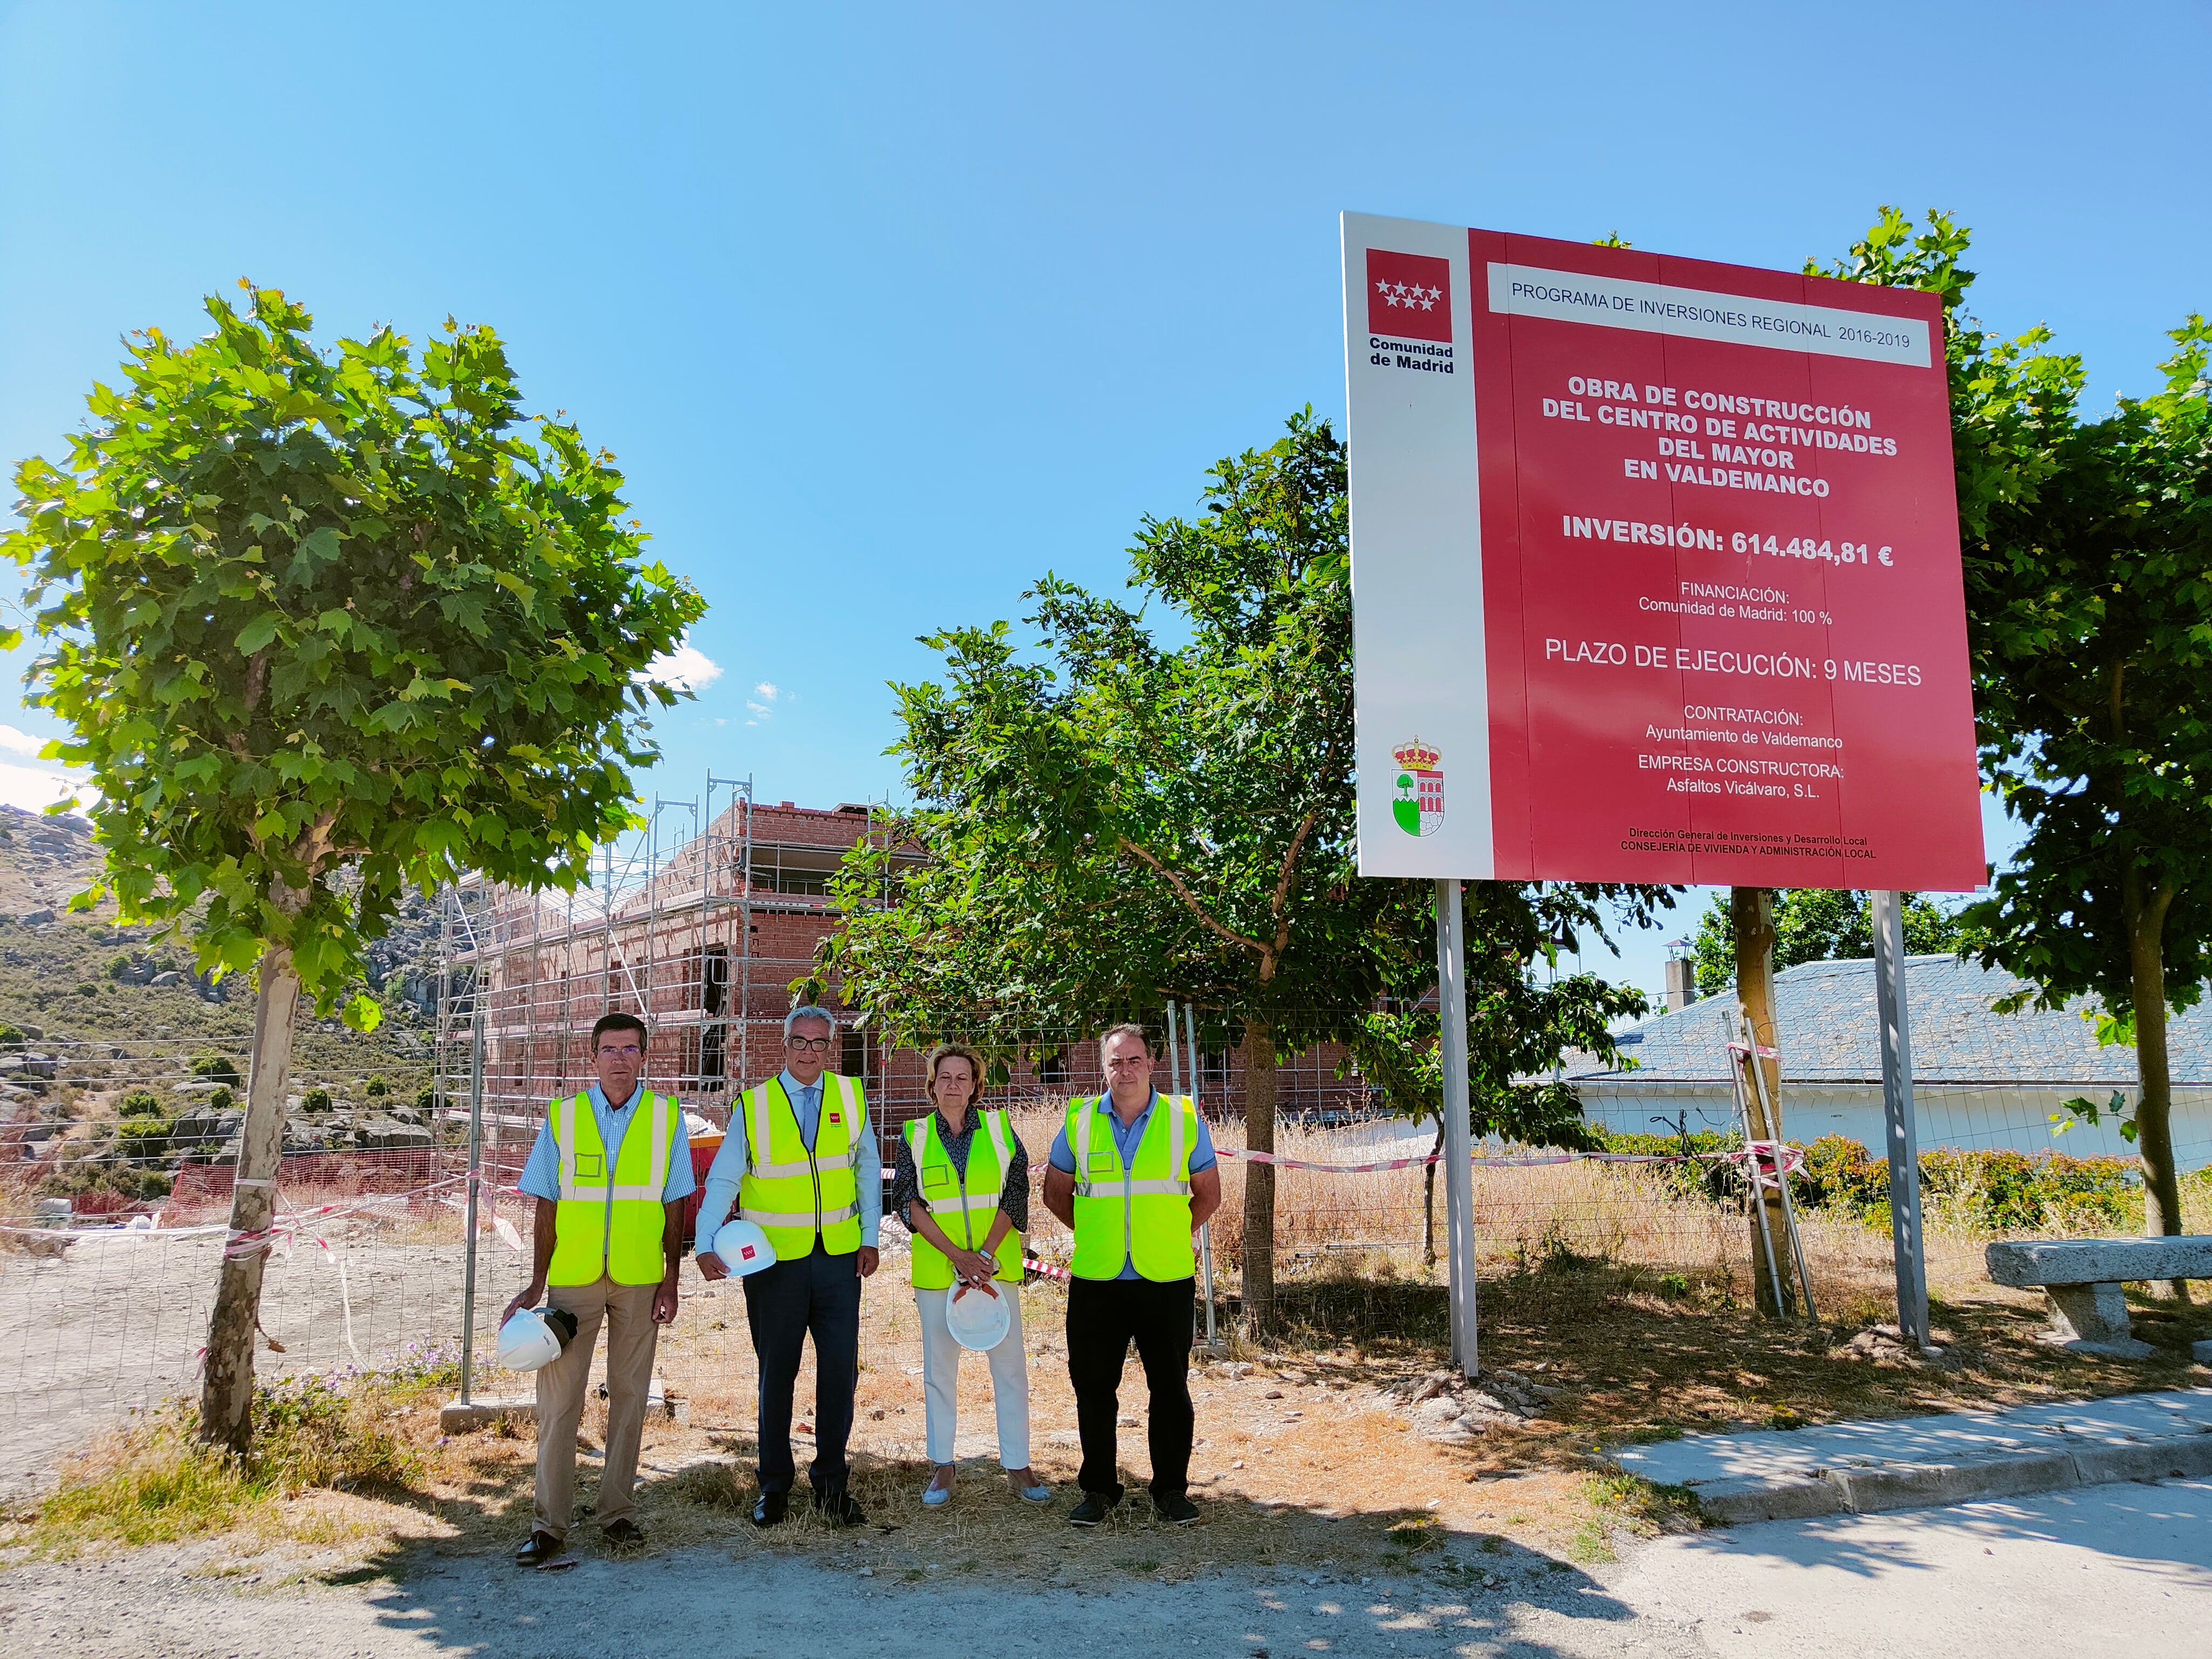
886,310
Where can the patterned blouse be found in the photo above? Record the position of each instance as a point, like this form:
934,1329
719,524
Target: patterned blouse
1013,1198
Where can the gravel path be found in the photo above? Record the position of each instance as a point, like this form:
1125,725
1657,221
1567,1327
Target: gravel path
696,1602
2124,1571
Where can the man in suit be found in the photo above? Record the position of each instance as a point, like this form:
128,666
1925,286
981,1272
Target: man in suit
800,1162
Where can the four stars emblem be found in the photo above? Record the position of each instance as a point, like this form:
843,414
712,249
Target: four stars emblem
1401,294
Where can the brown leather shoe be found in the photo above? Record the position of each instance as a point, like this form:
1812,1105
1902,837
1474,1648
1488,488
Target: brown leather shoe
624,1533
541,1548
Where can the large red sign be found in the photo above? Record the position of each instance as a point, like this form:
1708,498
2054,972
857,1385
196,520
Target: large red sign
1655,571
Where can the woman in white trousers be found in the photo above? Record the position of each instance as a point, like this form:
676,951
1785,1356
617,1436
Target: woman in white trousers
962,1186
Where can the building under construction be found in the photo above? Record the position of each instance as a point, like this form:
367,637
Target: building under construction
700,923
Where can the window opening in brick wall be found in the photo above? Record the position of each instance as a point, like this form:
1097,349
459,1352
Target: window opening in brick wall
714,1004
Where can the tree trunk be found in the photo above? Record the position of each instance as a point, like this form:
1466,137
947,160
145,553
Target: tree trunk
1429,1198
2145,910
1752,910
226,1395
1259,1179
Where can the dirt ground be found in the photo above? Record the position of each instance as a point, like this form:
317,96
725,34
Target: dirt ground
1626,1310
1305,1458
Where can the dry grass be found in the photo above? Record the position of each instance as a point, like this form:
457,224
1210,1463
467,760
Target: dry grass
1603,1283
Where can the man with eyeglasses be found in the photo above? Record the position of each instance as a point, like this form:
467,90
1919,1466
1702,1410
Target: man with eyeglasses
1134,1173
610,1169
800,1162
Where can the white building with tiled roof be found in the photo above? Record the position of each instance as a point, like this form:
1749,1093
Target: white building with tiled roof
1980,1078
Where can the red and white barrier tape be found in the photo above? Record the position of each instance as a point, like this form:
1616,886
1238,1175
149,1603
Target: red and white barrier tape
1794,1159
238,1245
1764,1053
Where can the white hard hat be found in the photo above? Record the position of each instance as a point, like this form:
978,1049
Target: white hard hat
742,1247
527,1342
979,1320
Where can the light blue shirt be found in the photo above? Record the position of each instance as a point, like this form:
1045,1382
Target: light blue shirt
541,1173
730,1164
1127,1137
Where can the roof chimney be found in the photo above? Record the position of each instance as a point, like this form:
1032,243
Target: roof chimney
1681,982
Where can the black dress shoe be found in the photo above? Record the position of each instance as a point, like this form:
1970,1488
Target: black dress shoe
768,1509
1094,1508
624,1533
541,1548
1178,1509
840,1509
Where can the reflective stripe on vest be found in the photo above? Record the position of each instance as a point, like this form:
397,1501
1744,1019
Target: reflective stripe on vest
958,1195
794,1194
1139,1213
610,1220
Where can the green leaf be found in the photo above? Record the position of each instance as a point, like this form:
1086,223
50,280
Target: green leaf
258,632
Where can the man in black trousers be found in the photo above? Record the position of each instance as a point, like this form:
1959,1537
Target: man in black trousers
800,1162
1134,1173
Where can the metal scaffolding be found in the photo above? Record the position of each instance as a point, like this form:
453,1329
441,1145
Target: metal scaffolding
699,922
670,929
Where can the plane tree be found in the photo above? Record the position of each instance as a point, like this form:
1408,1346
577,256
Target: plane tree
325,625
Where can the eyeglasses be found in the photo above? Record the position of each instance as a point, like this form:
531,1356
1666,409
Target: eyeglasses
815,1045
628,1051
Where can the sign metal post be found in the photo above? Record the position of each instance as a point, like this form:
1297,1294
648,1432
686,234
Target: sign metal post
1898,1118
1459,1149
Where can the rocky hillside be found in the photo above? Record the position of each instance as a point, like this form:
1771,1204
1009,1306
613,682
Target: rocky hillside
119,1063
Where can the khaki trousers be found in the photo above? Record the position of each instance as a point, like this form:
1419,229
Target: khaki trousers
627,1310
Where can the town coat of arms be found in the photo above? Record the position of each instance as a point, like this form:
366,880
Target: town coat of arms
1417,802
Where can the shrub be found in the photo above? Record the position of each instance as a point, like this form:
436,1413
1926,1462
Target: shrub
2006,1192
87,988
426,1099
1974,1190
140,1103
11,1036
1977,1189
145,1139
221,1100
315,1100
1839,1175
119,967
1709,1177
376,1085
106,1187
217,1068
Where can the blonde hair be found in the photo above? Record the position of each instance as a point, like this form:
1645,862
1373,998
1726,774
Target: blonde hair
944,1051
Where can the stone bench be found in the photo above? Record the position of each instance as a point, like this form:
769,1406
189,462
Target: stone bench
2083,1277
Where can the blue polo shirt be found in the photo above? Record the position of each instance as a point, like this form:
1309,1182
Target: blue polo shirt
541,1173
1127,1137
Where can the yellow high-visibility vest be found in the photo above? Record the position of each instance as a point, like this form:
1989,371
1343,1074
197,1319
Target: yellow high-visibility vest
795,1194
964,1204
1139,1213
610,1220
